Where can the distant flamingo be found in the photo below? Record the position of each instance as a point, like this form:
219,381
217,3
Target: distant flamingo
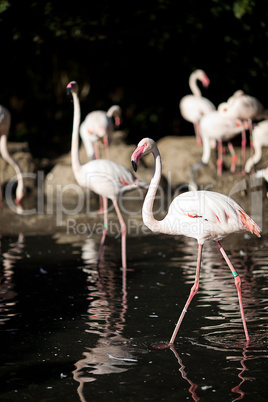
106,178
193,107
4,131
216,128
243,107
98,125
203,215
259,140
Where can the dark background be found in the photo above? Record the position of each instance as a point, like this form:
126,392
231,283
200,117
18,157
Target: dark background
138,54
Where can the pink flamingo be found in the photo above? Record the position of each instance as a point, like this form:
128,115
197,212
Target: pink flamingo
203,215
5,121
216,128
106,178
259,140
193,107
98,125
243,107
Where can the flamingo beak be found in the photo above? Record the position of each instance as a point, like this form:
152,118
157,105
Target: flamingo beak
135,157
205,81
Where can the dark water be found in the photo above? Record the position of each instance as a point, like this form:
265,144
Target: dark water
64,323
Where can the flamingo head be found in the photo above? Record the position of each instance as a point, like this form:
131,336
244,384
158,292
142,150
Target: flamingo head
202,76
72,87
116,112
145,146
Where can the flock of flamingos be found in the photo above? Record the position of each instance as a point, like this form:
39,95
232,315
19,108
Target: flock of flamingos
203,215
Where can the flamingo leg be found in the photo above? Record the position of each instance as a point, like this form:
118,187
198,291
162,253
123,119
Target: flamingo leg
234,156
106,144
243,146
194,290
219,160
96,150
105,227
123,235
238,287
197,134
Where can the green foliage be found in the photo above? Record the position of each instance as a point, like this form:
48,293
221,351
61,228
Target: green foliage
136,53
242,7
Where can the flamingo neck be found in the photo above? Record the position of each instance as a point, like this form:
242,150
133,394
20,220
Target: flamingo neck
76,165
147,209
193,85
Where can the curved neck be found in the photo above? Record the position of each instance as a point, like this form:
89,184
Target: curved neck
193,85
76,165
147,209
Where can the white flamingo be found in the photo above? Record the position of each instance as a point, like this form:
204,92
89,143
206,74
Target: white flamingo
203,215
99,125
243,107
259,140
193,107
214,128
106,178
5,121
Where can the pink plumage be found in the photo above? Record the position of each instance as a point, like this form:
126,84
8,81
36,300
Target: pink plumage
203,215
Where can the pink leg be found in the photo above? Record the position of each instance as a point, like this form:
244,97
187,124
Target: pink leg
197,134
106,144
123,234
192,293
234,156
219,161
105,226
238,287
243,145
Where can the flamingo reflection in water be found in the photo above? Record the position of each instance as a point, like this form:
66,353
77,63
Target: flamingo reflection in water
106,319
194,388
7,293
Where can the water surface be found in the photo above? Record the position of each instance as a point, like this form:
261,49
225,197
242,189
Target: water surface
71,330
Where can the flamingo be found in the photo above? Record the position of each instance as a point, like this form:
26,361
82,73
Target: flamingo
203,215
216,128
5,121
98,125
243,107
259,140
106,178
193,107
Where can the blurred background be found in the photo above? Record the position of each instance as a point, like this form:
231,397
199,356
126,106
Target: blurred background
138,54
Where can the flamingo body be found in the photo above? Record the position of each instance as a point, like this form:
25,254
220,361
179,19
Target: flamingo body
106,178
203,215
206,215
194,106
98,125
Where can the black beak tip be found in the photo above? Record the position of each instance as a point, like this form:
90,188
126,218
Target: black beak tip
134,165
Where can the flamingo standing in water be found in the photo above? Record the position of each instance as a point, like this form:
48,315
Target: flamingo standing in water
5,121
203,215
98,125
106,178
259,140
193,107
